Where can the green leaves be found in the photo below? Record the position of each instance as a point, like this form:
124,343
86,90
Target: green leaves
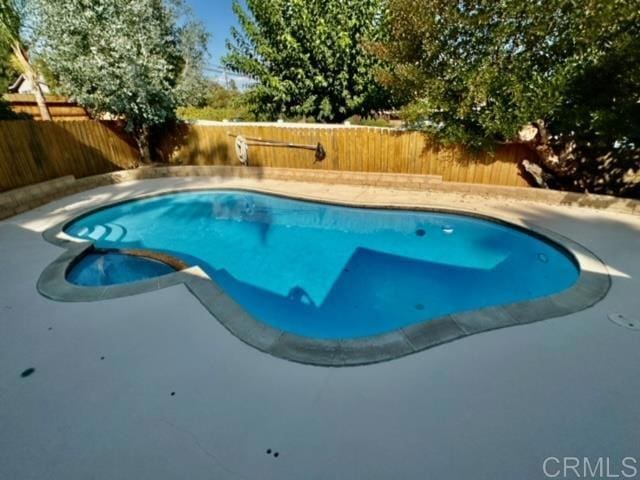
131,59
309,57
10,23
476,71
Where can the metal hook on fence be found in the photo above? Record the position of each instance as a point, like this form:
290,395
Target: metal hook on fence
243,143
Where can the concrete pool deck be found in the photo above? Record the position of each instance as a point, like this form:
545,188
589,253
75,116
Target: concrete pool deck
151,386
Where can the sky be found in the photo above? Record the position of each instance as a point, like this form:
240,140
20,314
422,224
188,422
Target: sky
218,18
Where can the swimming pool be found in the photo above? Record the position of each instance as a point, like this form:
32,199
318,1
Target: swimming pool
333,272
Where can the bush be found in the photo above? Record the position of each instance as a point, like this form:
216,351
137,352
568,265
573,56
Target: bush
213,113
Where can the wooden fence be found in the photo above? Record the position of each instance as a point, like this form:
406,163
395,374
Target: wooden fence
32,152
60,108
363,149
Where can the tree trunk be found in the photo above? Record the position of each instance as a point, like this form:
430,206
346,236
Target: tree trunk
142,139
537,137
40,100
31,74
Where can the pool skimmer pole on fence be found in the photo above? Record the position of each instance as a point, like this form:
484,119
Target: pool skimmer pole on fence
242,147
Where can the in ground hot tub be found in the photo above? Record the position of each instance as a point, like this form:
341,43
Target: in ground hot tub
113,267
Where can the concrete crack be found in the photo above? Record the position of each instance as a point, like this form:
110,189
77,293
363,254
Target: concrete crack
211,455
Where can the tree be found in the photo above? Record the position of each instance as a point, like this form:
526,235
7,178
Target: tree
10,38
309,58
220,97
128,59
7,76
560,75
8,73
193,87
220,103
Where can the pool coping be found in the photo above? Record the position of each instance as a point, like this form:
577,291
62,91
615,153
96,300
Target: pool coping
592,286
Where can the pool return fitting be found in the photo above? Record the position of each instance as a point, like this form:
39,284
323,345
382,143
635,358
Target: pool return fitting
242,147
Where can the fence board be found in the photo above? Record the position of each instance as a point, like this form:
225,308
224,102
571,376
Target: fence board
60,108
32,152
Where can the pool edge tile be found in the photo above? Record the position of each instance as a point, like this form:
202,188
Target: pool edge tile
379,348
484,319
434,332
308,350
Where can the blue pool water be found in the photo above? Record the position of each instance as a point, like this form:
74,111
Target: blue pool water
97,269
333,272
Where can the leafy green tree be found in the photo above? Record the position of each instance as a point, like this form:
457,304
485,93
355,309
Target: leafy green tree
127,59
193,86
309,58
220,97
12,13
7,76
9,26
477,71
8,73
220,103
